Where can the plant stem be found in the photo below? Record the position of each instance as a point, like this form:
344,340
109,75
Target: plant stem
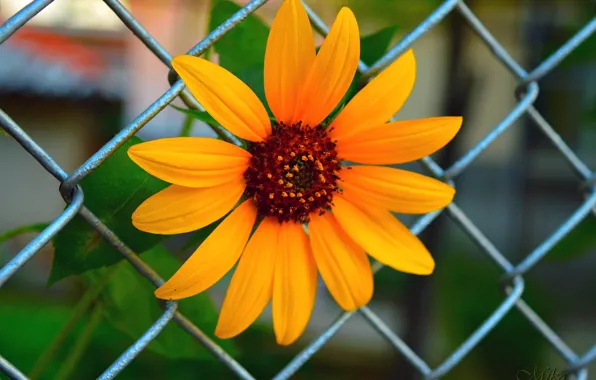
37,227
77,351
187,126
81,307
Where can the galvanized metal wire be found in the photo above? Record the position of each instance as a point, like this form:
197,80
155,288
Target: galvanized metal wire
526,92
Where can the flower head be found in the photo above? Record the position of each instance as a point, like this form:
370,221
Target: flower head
293,178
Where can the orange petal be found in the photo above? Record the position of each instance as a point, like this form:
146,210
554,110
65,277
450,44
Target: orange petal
251,286
289,56
379,100
191,161
332,71
395,189
231,102
383,236
342,263
399,142
295,284
179,209
214,258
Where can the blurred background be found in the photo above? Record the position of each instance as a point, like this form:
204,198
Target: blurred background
75,75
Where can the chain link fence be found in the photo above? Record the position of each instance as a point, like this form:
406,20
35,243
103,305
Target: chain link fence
513,281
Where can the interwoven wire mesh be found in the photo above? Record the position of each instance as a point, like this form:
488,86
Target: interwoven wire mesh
526,92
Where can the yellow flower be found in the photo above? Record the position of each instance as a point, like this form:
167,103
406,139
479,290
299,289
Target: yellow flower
292,176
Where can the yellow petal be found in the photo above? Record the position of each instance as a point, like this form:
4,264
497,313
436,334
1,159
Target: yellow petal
231,102
383,236
191,161
295,284
379,100
289,56
399,142
395,189
214,258
178,209
332,71
252,283
343,264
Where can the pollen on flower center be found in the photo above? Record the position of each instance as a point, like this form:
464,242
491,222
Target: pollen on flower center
293,173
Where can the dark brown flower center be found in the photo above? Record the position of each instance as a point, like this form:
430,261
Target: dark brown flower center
293,173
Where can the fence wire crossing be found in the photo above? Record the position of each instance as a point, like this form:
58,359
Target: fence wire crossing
526,93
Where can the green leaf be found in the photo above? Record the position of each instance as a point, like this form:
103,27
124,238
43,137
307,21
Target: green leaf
131,307
199,115
372,48
112,192
374,45
580,241
242,50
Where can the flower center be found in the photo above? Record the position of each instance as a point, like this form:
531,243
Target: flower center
293,173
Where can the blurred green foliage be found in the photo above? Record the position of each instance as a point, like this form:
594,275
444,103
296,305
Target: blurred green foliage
579,242
30,324
130,306
467,293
